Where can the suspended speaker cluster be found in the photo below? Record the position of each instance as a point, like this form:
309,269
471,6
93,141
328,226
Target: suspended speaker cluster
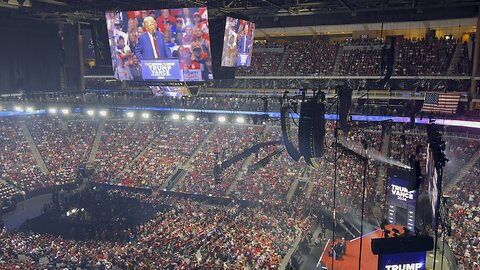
311,129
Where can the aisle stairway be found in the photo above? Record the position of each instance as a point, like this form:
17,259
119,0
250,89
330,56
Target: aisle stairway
338,59
35,153
455,59
97,141
176,179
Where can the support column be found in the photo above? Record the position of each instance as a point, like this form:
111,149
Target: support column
476,55
80,60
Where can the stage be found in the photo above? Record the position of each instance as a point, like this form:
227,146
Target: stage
350,260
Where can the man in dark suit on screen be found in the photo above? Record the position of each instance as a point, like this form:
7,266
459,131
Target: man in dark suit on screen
151,44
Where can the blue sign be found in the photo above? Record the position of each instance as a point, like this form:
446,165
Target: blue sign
402,203
403,261
161,69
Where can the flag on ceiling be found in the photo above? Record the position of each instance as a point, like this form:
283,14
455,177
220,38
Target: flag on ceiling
446,103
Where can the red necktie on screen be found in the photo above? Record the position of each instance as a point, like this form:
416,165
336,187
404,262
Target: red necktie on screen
156,46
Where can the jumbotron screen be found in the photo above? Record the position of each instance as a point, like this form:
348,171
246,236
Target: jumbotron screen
237,43
160,45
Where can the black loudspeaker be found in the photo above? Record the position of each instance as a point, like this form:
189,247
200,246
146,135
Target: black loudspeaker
402,244
415,174
311,130
286,135
388,57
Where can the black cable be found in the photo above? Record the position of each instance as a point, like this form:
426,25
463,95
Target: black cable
365,165
335,172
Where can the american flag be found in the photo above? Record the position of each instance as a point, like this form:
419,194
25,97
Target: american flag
446,103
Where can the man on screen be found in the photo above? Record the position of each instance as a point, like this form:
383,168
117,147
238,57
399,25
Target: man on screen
151,44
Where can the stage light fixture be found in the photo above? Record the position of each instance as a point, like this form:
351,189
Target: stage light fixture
103,113
190,117
52,110
175,116
145,115
222,119
65,111
18,108
13,3
130,114
90,112
240,119
29,109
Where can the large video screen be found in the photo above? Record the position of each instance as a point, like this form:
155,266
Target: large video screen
167,44
237,43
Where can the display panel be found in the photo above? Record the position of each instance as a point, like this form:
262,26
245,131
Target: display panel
410,260
402,203
170,91
432,179
160,45
237,43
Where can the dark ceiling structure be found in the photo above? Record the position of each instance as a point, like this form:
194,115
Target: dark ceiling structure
267,13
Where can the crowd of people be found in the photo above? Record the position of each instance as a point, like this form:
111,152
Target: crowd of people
425,56
309,57
226,142
172,147
364,61
63,145
121,142
464,213
166,145
361,57
188,235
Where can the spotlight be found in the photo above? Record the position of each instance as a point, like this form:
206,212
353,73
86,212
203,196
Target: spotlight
18,108
175,116
145,115
222,119
190,117
27,3
130,114
240,119
52,110
90,112
103,113
65,111
29,109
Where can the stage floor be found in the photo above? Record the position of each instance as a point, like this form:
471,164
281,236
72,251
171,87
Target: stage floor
350,260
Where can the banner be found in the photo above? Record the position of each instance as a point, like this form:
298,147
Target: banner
402,203
161,69
401,261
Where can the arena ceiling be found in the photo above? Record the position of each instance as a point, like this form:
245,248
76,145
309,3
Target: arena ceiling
267,13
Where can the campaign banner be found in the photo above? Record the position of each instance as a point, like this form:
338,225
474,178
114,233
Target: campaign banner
161,69
192,75
403,261
398,193
243,59
402,203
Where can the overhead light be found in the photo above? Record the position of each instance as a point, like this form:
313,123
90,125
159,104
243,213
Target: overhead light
52,110
14,3
27,3
29,109
175,116
240,119
90,112
18,108
65,111
145,115
190,117
103,113
130,114
222,119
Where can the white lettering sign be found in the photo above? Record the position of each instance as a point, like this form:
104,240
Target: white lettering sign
408,266
402,193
